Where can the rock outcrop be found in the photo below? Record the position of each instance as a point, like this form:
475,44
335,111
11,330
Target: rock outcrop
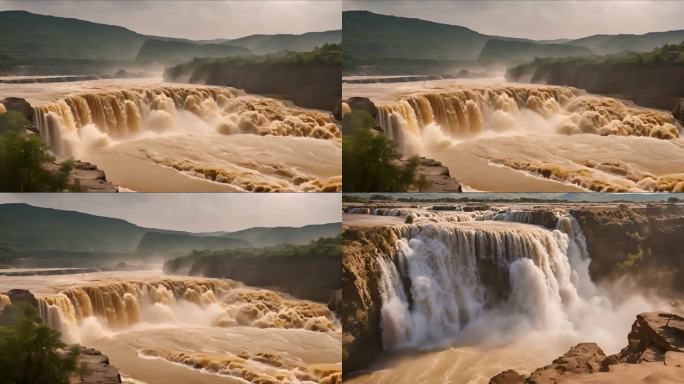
97,369
508,377
655,86
432,176
653,334
363,247
582,358
642,242
20,105
362,104
310,86
654,351
22,296
90,178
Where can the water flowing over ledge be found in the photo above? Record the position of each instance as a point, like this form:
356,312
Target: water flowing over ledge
531,137
152,136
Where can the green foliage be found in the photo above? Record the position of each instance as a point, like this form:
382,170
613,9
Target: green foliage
180,51
357,119
328,54
634,259
372,163
668,54
32,353
325,247
23,165
13,121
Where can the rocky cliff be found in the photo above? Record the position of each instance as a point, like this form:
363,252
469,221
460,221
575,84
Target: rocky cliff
642,242
307,85
655,86
362,248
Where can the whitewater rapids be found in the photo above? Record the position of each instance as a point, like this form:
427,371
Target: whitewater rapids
167,329
504,137
148,135
470,294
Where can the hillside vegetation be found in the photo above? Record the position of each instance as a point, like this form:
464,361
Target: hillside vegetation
172,52
310,271
373,42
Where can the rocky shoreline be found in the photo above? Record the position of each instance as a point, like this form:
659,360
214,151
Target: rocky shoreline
654,354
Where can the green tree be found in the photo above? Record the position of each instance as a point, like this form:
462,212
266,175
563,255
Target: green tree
32,353
372,163
24,160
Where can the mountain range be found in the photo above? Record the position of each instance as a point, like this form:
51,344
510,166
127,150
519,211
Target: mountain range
26,35
371,36
26,228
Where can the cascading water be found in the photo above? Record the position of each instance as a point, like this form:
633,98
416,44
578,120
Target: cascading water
547,132
467,112
4,301
77,122
93,310
491,277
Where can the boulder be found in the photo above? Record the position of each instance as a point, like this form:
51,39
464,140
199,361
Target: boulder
432,176
20,105
22,296
363,104
583,358
508,377
653,334
97,369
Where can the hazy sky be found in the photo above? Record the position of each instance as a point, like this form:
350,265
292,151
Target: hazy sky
539,19
195,19
197,212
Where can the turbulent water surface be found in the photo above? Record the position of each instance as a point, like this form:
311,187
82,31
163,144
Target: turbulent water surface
153,136
498,136
471,294
166,329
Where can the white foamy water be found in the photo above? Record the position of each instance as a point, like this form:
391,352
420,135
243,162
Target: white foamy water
149,135
168,329
471,294
498,136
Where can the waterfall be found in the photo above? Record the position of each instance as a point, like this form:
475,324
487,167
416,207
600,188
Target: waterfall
449,274
118,305
4,301
80,122
464,113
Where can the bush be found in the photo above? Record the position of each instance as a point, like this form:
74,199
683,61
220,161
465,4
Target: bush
372,163
31,352
23,165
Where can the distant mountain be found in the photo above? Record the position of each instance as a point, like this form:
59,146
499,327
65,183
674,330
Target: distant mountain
604,44
30,230
265,236
24,34
25,227
522,51
263,44
175,52
374,38
370,35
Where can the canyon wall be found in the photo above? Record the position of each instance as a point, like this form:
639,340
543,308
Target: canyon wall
656,86
307,85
